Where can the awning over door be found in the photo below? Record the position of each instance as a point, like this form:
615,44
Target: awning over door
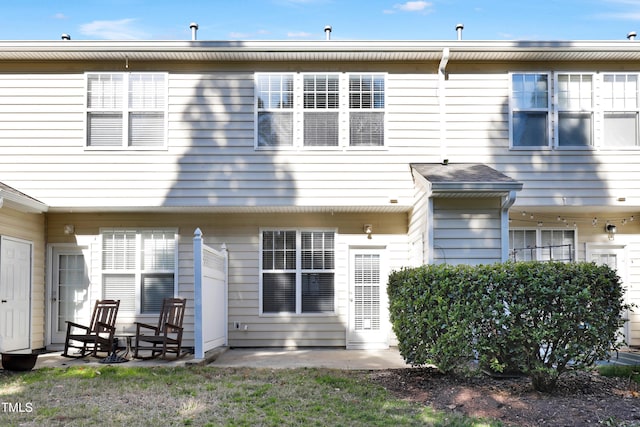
465,180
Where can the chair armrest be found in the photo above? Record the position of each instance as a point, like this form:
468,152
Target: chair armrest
167,326
140,325
71,324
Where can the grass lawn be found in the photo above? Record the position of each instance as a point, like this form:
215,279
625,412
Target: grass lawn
206,396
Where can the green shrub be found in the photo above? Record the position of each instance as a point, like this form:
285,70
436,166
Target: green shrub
532,317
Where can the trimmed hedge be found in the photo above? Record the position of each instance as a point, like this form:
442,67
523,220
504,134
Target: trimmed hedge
532,317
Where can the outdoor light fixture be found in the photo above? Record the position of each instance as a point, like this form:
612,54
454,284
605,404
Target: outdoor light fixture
611,230
368,229
69,229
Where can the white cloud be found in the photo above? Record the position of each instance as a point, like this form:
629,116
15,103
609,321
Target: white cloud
59,16
298,34
123,29
410,6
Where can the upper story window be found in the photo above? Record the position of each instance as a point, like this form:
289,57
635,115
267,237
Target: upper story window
530,110
126,110
620,109
572,110
320,110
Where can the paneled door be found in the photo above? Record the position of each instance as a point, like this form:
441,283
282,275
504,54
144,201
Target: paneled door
368,315
15,294
69,291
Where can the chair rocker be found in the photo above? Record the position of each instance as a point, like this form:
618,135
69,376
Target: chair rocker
166,337
98,336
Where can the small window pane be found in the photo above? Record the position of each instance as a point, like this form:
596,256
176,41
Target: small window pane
275,129
317,292
155,288
146,129
574,129
279,293
530,129
366,129
321,129
621,129
104,129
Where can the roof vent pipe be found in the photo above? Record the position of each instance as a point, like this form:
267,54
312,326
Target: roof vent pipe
632,35
194,31
327,32
459,29
65,36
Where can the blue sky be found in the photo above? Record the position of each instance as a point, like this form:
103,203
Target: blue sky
306,19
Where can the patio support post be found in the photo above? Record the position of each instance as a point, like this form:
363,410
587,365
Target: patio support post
197,300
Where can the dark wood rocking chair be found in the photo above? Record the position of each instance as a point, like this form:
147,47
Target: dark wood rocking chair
166,337
98,336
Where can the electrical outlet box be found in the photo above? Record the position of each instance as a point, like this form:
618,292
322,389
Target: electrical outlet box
236,325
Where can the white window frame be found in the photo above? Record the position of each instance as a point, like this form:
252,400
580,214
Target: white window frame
126,112
539,249
604,110
546,110
581,109
137,271
298,112
598,112
298,273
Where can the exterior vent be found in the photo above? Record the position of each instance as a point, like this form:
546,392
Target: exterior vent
459,29
327,32
194,31
65,36
632,35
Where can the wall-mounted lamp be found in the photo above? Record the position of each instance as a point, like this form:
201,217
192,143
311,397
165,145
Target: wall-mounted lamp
368,229
611,230
69,229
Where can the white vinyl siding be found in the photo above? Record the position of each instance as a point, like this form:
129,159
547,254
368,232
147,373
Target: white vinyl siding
320,110
138,268
297,271
126,110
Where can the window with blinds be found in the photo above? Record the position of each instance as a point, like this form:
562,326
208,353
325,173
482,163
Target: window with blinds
320,110
138,268
298,271
126,110
366,104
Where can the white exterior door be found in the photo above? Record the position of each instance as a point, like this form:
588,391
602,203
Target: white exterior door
69,291
15,294
368,314
613,256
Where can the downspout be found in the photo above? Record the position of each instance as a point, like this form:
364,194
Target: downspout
442,77
508,201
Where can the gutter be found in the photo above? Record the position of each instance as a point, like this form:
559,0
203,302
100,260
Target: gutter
442,77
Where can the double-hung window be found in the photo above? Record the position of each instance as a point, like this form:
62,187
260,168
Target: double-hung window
274,97
542,244
575,109
320,110
620,110
530,99
138,268
297,271
126,110
366,110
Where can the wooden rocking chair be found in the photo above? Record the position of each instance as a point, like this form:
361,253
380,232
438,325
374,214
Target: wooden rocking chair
98,336
166,337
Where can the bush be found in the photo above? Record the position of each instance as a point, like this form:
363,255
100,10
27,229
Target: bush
537,318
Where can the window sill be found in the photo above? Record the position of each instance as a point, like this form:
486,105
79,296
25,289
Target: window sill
297,315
